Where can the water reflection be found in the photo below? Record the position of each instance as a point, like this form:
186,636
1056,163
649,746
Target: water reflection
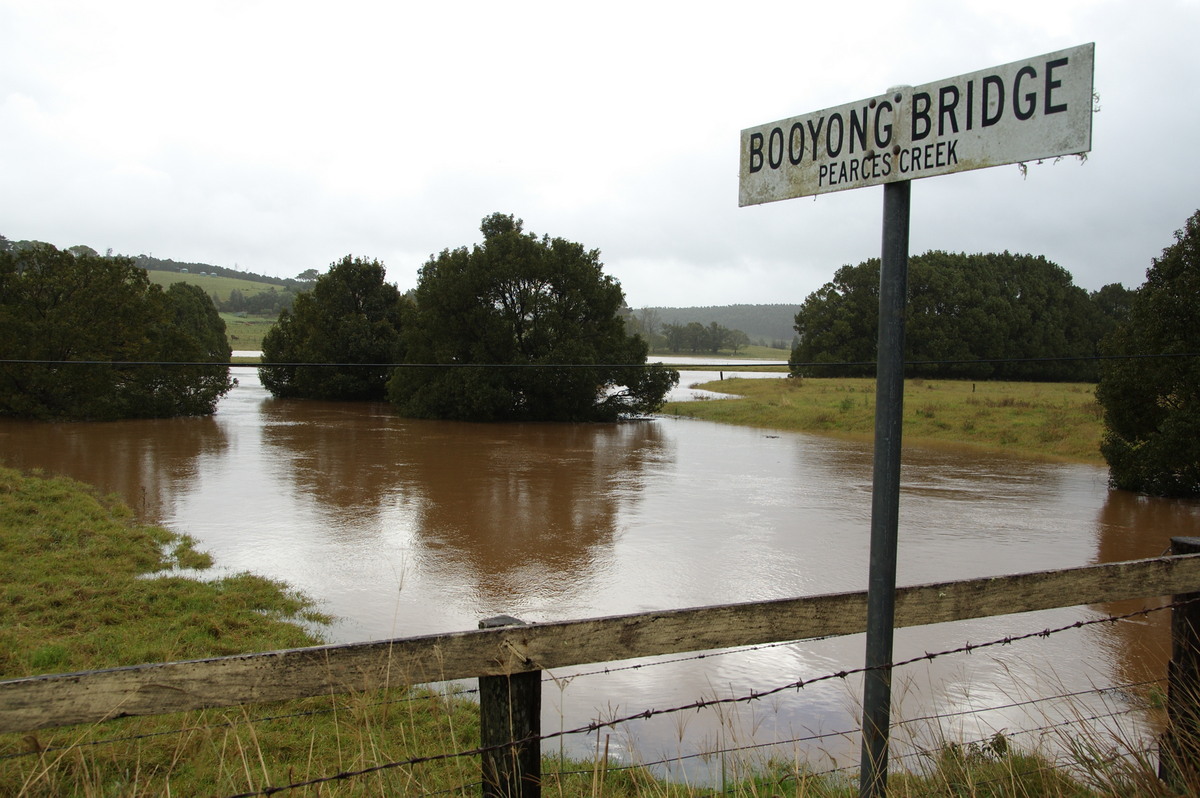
411,527
511,513
147,462
530,511
342,457
1131,527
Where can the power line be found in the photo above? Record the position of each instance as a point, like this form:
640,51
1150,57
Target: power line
699,365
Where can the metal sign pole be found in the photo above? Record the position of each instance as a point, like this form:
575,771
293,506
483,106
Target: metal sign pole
885,497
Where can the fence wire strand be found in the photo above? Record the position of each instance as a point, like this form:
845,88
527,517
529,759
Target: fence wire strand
754,695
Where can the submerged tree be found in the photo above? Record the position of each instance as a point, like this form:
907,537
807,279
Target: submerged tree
523,328
100,342
1151,394
350,323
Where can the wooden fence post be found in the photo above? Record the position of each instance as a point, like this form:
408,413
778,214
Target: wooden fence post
510,710
1179,747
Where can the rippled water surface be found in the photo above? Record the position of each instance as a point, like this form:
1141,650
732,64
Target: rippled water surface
403,527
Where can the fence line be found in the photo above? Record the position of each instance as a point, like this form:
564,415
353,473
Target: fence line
46,701
595,726
599,725
509,654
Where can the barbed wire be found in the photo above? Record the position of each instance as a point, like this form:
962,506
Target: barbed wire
817,736
611,669
1046,766
754,695
701,704
604,671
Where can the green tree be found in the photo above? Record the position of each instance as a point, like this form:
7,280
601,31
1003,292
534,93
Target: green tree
350,323
1113,304
737,339
524,328
836,324
1000,316
1151,399
103,338
675,335
194,333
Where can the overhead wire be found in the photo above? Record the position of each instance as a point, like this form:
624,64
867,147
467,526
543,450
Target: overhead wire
690,365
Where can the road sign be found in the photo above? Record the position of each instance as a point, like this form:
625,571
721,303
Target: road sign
1024,111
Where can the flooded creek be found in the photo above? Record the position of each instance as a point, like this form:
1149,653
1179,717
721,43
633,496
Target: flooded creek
400,527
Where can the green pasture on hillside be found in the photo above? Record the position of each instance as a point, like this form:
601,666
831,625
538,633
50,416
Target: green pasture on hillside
213,285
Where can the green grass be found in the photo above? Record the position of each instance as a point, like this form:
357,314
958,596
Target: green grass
1055,420
82,586
246,332
212,284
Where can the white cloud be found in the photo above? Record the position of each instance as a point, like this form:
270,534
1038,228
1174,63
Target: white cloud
280,136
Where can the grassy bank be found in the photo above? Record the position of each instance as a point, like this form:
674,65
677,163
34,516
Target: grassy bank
87,587
1057,420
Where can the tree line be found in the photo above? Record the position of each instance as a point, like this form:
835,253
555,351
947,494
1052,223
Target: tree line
527,328
288,284
270,302
696,338
279,294
517,328
765,325
1020,317
981,316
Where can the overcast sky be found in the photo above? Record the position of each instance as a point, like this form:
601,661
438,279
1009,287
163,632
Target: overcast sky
276,137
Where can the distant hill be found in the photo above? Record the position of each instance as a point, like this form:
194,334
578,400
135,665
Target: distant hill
767,323
150,263
218,287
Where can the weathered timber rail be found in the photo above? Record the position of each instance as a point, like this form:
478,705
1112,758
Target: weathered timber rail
47,701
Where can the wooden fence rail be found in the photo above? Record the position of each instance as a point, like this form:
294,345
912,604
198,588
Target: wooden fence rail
47,701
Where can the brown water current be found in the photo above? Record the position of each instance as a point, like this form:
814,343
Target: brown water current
400,527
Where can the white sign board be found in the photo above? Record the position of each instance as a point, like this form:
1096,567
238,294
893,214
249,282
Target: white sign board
1035,108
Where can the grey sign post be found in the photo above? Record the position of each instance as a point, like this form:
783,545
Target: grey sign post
1025,111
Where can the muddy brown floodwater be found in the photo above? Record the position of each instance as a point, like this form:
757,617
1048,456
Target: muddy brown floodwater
401,527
